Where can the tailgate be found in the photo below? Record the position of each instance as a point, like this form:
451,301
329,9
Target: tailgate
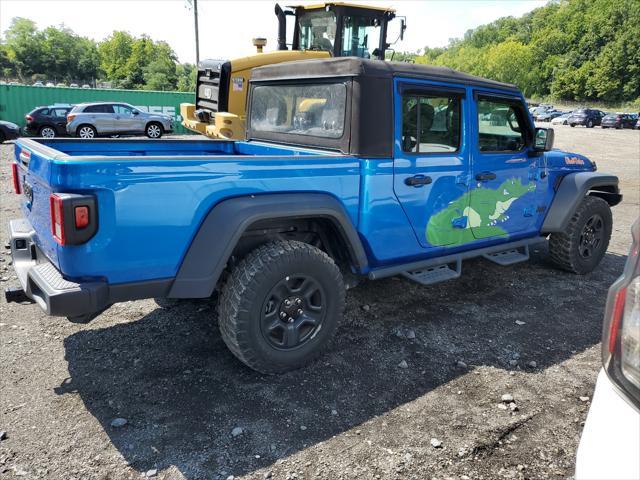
32,182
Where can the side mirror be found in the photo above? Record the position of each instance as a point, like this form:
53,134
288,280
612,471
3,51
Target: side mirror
135,112
543,139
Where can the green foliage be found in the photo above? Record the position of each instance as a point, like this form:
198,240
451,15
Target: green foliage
58,54
576,50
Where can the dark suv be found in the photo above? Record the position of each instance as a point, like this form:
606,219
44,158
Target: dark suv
586,116
48,121
618,120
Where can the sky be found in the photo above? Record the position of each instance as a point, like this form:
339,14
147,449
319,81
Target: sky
227,27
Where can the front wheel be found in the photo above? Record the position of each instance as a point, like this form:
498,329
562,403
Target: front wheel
590,124
280,306
47,132
87,131
572,125
154,130
580,248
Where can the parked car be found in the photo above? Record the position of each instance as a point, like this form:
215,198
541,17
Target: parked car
73,85
638,123
588,117
90,120
540,109
561,119
618,120
86,85
50,84
47,122
610,440
8,131
287,213
38,84
548,115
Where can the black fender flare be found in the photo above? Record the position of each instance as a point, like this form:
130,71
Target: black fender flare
572,189
225,223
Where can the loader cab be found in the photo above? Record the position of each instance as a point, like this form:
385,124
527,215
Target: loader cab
343,30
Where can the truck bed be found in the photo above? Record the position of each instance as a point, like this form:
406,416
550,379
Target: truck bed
152,195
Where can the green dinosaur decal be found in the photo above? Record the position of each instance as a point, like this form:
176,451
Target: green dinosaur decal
484,208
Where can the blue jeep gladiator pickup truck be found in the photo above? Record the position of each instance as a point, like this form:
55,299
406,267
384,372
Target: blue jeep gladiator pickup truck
351,168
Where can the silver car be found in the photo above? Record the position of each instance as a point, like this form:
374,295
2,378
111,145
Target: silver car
90,120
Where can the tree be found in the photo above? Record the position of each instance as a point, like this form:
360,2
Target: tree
186,73
25,47
572,49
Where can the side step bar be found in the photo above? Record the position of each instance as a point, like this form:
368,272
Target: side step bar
435,274
509,257
503,254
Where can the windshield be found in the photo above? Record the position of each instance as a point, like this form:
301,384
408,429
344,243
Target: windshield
317,30
313,109
360,36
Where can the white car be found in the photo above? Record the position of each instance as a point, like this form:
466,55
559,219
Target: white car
561,120
610,443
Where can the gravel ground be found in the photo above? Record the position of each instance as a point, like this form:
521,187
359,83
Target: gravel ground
411,387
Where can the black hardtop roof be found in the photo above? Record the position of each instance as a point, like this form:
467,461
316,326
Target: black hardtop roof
355,66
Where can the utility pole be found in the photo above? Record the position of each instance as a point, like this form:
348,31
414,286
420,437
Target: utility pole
195,17
194,4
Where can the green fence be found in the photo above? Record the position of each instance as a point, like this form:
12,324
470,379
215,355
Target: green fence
18,100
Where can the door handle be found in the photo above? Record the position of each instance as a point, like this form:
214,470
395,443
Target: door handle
484,176
417,181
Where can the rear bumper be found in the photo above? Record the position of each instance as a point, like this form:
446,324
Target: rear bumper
43,283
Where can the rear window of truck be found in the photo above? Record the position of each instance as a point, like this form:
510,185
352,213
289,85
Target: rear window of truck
316,110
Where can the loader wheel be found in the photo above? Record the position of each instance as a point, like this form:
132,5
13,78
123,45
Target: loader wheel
580,248
280,306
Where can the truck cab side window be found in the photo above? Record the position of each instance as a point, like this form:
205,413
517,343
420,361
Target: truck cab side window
430,123
501,127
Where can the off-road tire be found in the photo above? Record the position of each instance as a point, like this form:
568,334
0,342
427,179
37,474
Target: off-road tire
247,293
564,246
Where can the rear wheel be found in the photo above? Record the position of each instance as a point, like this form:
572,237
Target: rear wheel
86,131
47,132
281,305
2,137
590,124
580,248
572,125
154,130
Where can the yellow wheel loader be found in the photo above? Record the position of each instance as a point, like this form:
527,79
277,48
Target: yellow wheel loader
328,29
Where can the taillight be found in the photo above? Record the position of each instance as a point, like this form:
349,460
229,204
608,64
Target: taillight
57,218
621,335
28,118
16,177
81,216
74,217
70,117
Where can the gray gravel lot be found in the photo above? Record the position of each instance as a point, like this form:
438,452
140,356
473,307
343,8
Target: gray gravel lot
529,330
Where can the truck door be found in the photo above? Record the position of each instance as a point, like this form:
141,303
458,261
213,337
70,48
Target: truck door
503,174
431,163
